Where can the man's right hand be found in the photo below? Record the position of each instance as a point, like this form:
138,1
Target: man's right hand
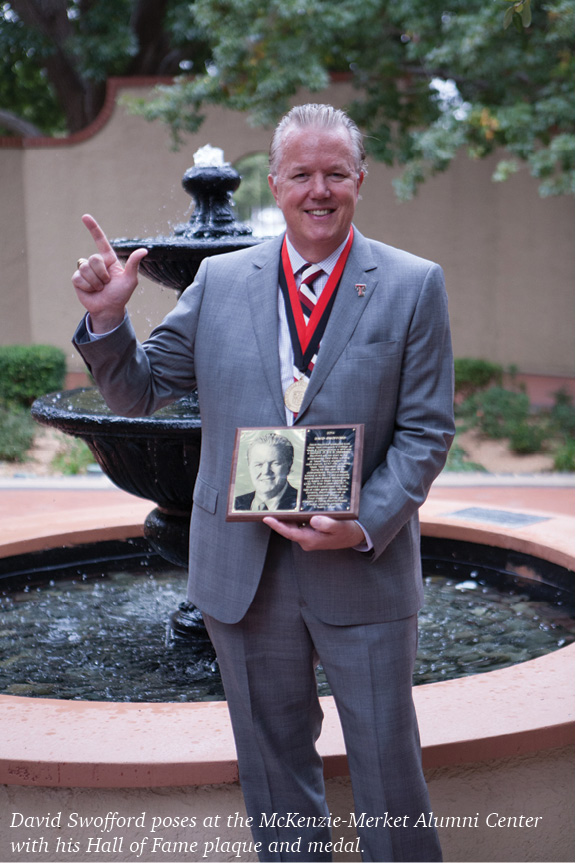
102,283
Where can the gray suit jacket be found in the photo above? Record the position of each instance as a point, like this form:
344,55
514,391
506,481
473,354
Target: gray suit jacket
288,500
385,361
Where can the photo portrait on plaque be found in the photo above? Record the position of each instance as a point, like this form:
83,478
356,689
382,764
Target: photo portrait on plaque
296,472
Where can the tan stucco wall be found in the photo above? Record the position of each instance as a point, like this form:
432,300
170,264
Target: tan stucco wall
508,254
14,296
531,785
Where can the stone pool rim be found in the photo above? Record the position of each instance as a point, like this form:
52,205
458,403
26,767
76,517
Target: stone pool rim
509,712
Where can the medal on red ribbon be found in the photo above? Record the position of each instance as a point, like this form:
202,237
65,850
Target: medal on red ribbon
306,335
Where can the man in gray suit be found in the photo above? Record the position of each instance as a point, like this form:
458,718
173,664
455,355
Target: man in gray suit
279,596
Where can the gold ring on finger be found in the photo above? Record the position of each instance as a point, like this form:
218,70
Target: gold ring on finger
81,261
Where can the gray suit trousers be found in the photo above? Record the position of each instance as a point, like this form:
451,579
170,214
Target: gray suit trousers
267,665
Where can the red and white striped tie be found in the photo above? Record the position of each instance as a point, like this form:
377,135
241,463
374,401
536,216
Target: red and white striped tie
306,292
308,302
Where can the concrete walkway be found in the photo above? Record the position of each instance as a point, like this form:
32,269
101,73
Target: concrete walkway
23,497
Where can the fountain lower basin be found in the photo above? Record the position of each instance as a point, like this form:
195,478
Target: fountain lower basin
495,745
521,709
98,622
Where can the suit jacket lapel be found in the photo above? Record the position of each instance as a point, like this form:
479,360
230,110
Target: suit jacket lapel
347,310
262,293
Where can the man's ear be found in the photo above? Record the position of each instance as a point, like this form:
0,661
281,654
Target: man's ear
273,187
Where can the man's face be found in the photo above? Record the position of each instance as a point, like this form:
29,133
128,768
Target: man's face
268,470
317,189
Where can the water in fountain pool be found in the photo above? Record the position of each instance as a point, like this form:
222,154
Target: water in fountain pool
105,636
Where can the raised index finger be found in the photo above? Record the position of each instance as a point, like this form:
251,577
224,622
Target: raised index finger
100,239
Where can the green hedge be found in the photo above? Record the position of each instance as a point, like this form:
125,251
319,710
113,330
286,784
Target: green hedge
473,374
17,431
30,371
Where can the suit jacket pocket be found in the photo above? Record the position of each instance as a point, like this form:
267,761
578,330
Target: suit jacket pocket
205,496
372,350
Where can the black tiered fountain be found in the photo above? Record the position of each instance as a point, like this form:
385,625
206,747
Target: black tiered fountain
157,457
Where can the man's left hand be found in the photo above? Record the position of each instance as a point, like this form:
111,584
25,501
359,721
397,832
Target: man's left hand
321,533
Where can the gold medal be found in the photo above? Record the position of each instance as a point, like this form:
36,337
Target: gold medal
293,397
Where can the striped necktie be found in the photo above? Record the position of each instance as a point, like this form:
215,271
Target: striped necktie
308,300
306,292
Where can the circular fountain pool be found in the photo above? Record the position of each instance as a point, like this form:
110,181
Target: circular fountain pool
91,623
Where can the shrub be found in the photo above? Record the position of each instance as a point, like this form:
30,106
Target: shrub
562,421
472,375
29,371
496,412
563,415
529,437
74,457
17,430
564,457
503,413
457,460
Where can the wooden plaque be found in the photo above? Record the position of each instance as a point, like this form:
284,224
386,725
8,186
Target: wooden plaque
295,472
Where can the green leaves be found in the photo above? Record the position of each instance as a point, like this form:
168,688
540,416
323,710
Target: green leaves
519,14
55,56
430,81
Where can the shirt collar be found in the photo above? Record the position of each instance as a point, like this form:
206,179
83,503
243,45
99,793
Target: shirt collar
258,505
327,265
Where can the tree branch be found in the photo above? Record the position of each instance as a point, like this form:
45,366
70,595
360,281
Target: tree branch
49,17
18,125
147,22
